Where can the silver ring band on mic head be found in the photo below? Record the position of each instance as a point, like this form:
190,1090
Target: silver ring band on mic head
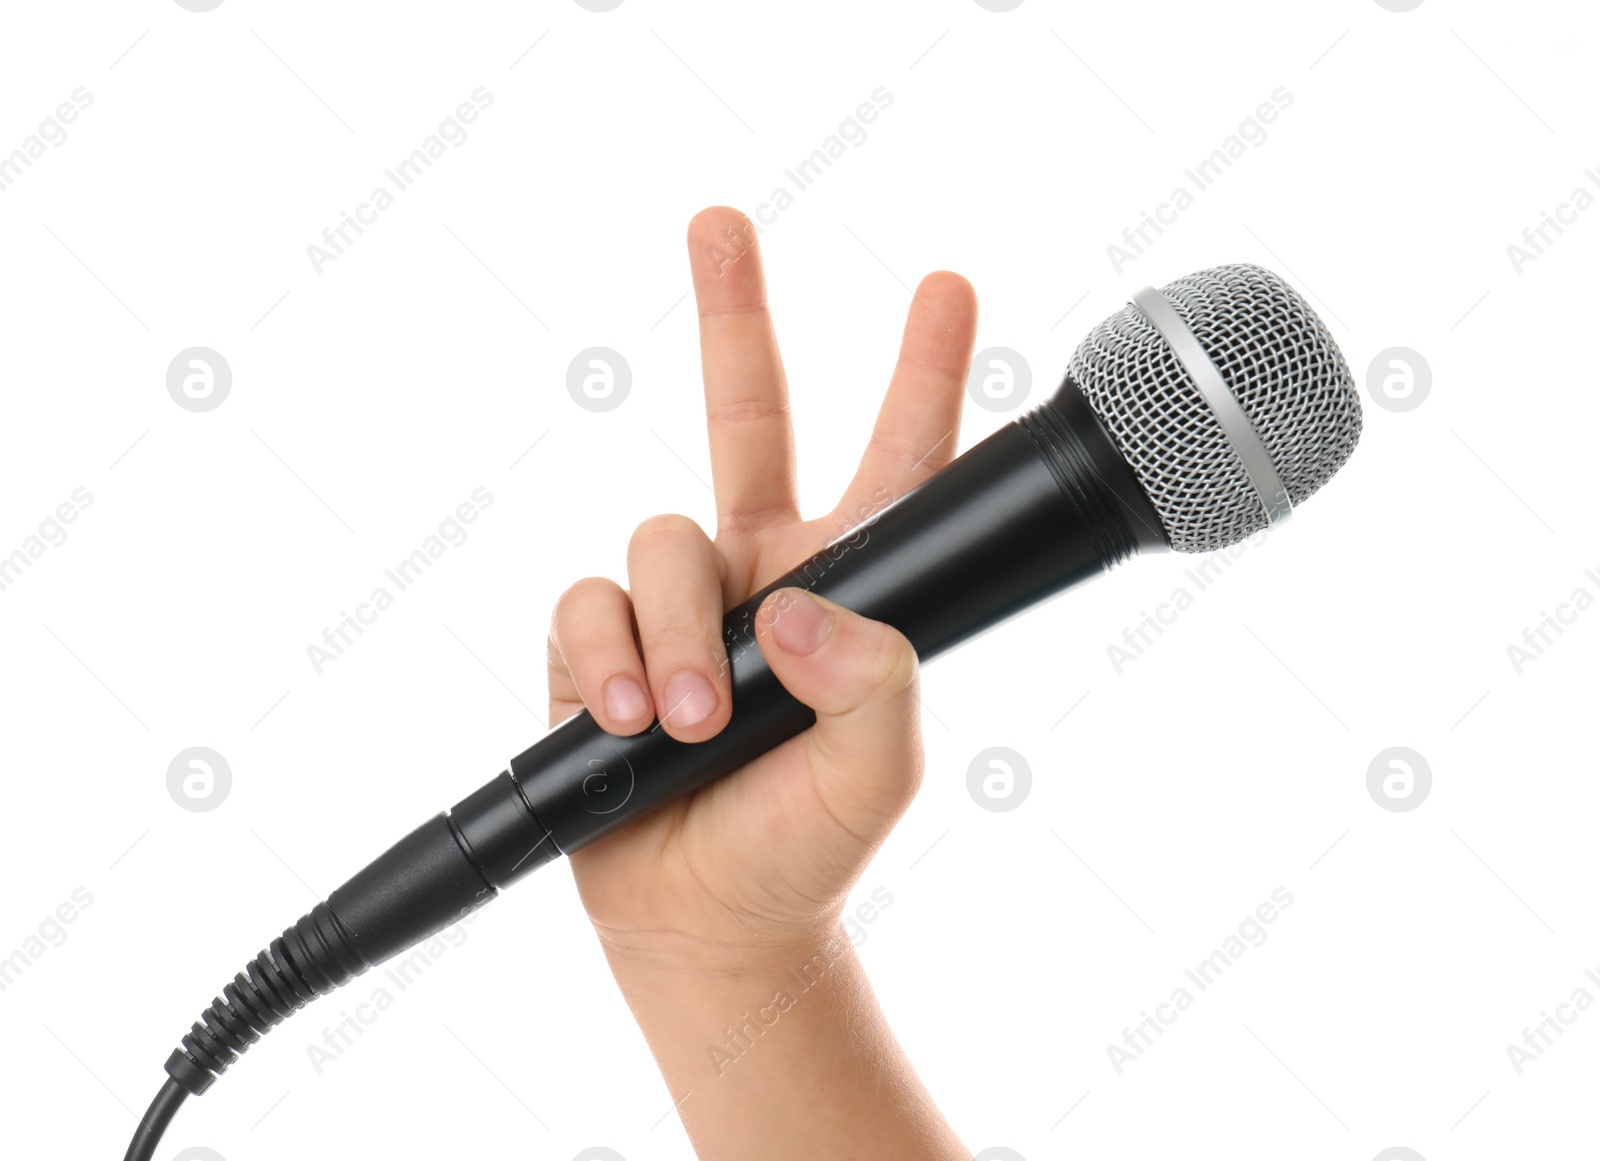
1220,399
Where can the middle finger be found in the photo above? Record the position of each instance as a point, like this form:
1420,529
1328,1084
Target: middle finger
674,580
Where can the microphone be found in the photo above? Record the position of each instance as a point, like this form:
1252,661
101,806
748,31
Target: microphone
1197,416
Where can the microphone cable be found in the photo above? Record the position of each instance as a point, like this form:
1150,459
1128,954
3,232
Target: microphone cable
155,1121
311,958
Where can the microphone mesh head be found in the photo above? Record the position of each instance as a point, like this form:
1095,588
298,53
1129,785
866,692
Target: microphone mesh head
1282,366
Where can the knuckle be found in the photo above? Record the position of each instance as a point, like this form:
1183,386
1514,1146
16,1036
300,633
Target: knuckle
578,596
590,586
895,665
748,522
593,613
896,446
674,623
678,636
670,526
756,409
903,662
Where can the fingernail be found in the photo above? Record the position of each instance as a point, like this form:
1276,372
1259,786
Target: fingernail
802,624
689,698
624,699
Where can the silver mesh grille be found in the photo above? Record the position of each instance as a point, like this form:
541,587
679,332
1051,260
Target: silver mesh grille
1280,362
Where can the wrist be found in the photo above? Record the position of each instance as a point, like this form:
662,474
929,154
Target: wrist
777,1048
704,1015
671,958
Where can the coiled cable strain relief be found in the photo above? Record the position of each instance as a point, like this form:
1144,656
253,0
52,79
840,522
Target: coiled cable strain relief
313,956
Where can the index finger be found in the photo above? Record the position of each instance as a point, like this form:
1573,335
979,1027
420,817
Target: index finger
747,397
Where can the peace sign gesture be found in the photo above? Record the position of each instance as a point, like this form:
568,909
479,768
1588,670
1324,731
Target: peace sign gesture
761,859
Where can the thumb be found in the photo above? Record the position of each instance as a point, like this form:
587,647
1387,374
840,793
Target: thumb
860,676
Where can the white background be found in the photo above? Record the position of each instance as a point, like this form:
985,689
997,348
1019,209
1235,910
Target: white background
370,399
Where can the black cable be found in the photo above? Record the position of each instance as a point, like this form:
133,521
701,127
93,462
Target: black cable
156,1119
311,958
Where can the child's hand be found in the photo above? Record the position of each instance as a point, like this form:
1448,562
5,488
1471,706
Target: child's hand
760,861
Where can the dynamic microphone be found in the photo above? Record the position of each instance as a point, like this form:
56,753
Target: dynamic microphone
1194,418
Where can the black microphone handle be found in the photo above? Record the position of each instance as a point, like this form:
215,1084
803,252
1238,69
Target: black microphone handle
1028,512
1042,504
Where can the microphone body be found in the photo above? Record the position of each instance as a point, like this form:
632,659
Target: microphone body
1041,505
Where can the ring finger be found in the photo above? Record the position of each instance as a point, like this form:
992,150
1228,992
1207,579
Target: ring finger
593,656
